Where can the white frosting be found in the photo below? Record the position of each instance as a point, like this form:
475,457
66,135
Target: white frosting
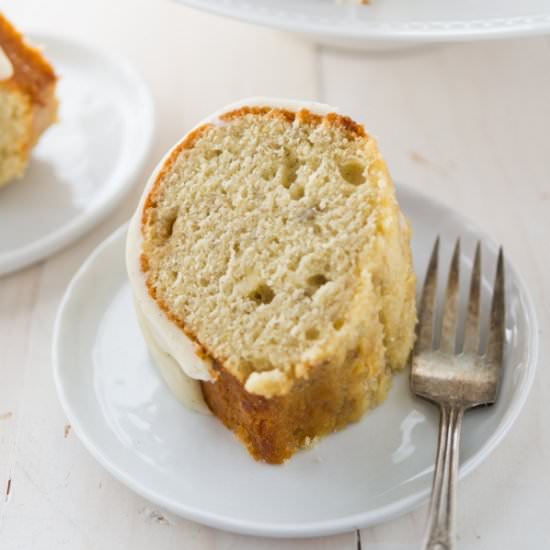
170,346
187,390
6,67
168,336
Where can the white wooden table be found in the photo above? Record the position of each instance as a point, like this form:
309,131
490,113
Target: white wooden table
468,124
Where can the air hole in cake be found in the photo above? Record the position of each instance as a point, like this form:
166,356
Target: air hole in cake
317,281
236,247
297,192
269,173
315,163
338,323
307,215
287,179
174,275
203,281
299,433
294,263
212,153
316,229
289,171
353,172
262,294
171,224
312,334
167,226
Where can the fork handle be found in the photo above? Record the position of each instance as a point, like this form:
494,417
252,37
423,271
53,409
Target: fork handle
441,530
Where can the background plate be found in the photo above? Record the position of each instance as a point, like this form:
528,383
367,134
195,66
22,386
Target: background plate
390,20
84,164
191,465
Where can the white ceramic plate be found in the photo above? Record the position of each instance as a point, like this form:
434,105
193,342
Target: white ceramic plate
390,20
191,465
84,164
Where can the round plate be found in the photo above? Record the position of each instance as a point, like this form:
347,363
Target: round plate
390,20
193,466
84,164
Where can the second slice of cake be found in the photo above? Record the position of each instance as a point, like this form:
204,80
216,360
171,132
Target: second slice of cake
272,262
28,103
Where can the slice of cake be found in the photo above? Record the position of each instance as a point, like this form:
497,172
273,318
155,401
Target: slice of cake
271,261
27,100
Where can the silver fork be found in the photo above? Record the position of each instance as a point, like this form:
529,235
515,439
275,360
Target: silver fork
455,381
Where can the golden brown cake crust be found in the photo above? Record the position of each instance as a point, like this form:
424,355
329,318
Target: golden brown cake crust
304,115
274,429
32,73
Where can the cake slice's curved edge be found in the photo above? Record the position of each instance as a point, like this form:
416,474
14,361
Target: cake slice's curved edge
275,427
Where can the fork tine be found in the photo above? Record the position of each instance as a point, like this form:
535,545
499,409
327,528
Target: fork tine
495,346
471,327
424,337
450,311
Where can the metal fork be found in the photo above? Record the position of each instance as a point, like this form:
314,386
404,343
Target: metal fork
455,380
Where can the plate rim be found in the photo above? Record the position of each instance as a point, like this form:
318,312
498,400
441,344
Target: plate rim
396,31
312,528
76,227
